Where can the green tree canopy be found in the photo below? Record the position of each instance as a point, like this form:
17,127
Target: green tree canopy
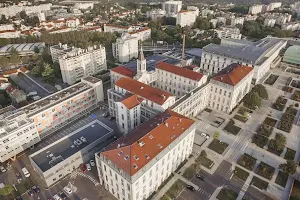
6,190
261,90
48,74
252,99
289,167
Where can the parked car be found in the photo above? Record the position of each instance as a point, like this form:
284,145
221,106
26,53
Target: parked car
2,169
92,162
62,195
111,118
205,135
83,168
67,190
19,177
30,192
25,172
56,197
19,198
190,187
88,167
36,189
200,177
106,114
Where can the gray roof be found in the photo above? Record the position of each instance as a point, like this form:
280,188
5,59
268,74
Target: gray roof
194,52
254,53
62,149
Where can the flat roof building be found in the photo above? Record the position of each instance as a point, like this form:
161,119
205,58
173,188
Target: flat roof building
22,49
60,158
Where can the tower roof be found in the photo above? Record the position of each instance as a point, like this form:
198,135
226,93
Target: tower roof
141,56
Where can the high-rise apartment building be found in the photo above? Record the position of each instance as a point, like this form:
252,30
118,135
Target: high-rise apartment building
125,48
172,7
186,18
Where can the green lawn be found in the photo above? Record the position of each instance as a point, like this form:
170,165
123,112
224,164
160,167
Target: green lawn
240,118
259,140
271,79
175,189
289,154
218,146
231,128
265,170
247,161
281,178
227,194
272,149
191,171
261,184
242,174
270,121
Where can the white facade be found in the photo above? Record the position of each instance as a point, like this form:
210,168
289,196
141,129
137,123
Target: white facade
17,133
255,9
141,34
147,179
194,8
177,80
269,22
206,12
89,5
172,7
11,11
76,63
125,48
10,34
4,27
237,20
292,26
114,28
155,14
233,33
186,18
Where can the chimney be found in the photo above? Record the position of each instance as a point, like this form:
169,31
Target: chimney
167,125
163,96
118,146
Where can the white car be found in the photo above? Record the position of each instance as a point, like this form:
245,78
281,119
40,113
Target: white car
88,167
68,190
25,172
92,162
2,169
205,135
56,197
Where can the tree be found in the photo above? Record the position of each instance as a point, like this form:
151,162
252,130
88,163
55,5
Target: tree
36,49
48,74
279,142
203,153
261,90
202,23
252,99
289,167
6,190
216,135
23,14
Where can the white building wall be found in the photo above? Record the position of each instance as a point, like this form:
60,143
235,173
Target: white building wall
172,6
186,18
125,49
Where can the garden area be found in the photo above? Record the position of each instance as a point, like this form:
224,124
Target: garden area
296,95
295,195
247,161
265,130
271,79
261,184
270,121
287,89
265,170
191,171
279,103
281,178
227,194
240,173
277,145
259,140
232,128
285,126
295,84
240,118
287,119
218,146
289,154
21,189
175,189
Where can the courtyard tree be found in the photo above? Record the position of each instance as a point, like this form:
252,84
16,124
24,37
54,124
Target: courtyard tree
6,190
289,167
252,99
48,74
216,135
261,90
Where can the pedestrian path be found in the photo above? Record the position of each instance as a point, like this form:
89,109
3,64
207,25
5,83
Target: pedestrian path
204,192
89,177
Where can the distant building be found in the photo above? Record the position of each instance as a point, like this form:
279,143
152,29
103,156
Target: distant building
255,9
11,11
136,165
172,7
292,55
125,48
237,20
141,34
194,8
233,33
116,28
77,63
155,14
269,22
186,18
16,95
25,49
206,12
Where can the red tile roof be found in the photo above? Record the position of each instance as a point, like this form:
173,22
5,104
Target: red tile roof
124,71
132,101
136,149
183,11
196,76
117,26
143,90
232,74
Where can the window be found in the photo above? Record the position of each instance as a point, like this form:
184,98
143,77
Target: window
128,187
122,117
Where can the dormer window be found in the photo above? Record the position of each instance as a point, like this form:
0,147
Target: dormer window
120,153
136,157
126,157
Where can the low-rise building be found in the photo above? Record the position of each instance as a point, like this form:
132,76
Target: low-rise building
236,20
116,28
172,7
206,12
156,14
141,34
269,22
125,48
59,159
134,166
255,9
233,33
177,80
229,86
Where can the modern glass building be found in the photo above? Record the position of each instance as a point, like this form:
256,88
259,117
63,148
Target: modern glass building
292,55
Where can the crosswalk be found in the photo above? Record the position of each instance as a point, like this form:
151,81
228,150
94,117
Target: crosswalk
89,177
238,146
203,192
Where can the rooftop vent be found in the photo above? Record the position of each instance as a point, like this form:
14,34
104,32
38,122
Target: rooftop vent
141,143
160,146
135,166
136,157
147,157
142,87
151,137
120,153
167,125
